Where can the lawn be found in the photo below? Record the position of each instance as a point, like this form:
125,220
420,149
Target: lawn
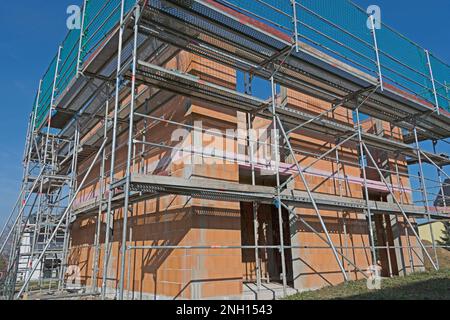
433,285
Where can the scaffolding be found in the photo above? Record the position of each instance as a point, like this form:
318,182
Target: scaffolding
82,108
33,229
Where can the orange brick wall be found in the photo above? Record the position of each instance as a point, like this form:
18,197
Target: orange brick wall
172,220
316,265
180,220
404,260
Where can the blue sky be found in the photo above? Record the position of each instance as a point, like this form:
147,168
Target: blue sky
31,31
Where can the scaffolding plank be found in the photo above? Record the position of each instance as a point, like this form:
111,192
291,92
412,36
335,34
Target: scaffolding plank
228,191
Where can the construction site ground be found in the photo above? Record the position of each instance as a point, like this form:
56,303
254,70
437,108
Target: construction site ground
430,285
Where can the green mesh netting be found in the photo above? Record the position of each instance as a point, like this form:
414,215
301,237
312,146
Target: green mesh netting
337,27
100,17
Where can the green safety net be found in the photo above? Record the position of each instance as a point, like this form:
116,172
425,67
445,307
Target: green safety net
343,30
441,73
45,94
100,17
337,27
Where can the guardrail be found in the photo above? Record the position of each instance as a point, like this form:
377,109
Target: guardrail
345,31
339,28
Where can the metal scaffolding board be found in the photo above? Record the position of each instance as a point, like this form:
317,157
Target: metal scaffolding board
227,191
132,54
201,27
191,86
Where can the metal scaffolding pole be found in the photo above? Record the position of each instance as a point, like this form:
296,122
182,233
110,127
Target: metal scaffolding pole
19,216
51,200
276,148
80,41
73,186
36,229
295,22
11,215
313,201
446,94
129,154
433,83
66,212
377,52
425,195
439,169
405,216
251,149
339,167
95,268
52,105
324,239
363,163
31,136
109,214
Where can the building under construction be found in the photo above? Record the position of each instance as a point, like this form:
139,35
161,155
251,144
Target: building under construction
197,149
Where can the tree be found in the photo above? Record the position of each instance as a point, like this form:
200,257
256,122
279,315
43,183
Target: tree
445,238
2,263
2,266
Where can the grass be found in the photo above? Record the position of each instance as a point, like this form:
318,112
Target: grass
430,285
419,286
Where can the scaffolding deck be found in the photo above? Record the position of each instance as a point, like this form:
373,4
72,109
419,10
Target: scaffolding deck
151,186
191,86
113,64
200,27
203,25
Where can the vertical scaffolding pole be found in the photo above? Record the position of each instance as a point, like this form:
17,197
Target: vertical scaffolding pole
441,184
251,146
399,181
129,154
425,194
339,166
433,83
109,218
19,216
80,44
366,189
64,215
52,105
313,201
446,94
36,229
27,145
295,21
275,135
102,201
27,159
73,186
410,251
30,136
405,216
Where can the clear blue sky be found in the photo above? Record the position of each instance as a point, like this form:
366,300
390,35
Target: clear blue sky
31,31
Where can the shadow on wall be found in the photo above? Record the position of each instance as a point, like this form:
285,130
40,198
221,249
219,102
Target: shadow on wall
165,228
